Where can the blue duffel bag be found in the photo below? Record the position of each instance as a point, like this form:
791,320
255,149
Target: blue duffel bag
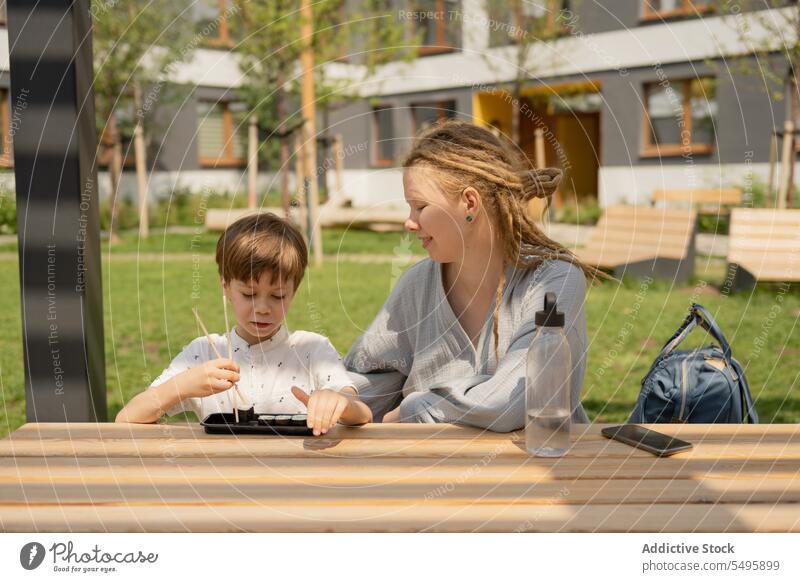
703,385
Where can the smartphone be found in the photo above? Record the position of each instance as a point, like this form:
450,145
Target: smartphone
643,438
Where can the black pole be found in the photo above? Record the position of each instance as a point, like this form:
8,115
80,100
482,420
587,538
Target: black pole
52,102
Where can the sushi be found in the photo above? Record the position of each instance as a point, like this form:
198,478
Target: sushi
283,419
266,419
299,419
246,415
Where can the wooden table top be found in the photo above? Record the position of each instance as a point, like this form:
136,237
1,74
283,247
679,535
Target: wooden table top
394,477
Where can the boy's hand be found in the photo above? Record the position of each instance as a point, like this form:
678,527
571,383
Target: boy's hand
214,376
325,408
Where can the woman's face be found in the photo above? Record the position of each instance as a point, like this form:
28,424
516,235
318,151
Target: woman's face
436,219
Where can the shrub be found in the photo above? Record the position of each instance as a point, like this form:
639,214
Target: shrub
585,212
8,211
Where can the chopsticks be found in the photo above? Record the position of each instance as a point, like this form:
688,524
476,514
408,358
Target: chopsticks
216,351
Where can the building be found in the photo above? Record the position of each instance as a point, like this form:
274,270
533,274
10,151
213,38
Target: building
630,95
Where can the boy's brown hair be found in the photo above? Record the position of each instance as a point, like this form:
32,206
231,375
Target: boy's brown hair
262,242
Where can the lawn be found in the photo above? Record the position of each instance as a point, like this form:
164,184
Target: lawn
335,241
148,301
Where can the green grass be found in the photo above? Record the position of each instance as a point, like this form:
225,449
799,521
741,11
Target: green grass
334,241
148,320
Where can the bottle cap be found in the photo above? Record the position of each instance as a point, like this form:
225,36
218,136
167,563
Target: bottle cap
550,316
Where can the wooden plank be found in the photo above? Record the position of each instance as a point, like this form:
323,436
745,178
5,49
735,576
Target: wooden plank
289,492
61,430
718,432
768,247
423,517
389,470
717,196
363,448
766,215
767,231
649,211
645,223
631,240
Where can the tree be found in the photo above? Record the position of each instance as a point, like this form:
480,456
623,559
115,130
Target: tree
522,25
270,47
772,38
135,45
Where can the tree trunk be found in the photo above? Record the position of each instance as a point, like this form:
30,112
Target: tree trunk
140,152
793,114
114,174
252,162
788,152
326,150
280,107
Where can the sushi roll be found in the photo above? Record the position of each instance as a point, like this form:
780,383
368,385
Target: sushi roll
266,419
299,419
283,419
246,415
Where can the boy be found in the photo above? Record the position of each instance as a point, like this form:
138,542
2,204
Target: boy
261,260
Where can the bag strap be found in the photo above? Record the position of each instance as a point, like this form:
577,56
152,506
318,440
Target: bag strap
750,414
698,315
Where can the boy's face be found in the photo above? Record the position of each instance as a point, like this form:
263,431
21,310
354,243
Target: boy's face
259,306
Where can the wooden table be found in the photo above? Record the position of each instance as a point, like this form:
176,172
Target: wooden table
394,477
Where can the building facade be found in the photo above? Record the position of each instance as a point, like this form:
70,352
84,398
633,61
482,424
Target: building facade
628,96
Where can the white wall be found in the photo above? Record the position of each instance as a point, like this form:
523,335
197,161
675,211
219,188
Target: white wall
635,185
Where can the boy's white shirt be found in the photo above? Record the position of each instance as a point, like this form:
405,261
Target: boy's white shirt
268,370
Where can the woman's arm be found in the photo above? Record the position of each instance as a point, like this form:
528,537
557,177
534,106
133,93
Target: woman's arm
497,401
380,360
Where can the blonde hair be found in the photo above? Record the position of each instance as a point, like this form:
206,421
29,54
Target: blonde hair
462,155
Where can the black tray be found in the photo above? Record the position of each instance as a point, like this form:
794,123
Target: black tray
225,423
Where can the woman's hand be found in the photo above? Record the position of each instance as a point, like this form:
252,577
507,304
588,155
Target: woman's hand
392,415
325,408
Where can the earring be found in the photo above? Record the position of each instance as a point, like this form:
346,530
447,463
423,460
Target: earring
469,218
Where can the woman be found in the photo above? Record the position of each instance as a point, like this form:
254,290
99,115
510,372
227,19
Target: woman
449,344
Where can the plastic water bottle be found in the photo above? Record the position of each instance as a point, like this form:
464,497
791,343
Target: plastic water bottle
547,389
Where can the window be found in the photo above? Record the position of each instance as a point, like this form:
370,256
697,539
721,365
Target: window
680,117
382,136
221,133
658,9
216,21
530,20
425,114
6,152
440,23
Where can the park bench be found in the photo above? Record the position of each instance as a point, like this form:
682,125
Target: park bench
711,201
764,246
643,241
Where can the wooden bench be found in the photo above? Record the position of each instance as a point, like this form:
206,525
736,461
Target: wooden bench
714,201
643,241
764,245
